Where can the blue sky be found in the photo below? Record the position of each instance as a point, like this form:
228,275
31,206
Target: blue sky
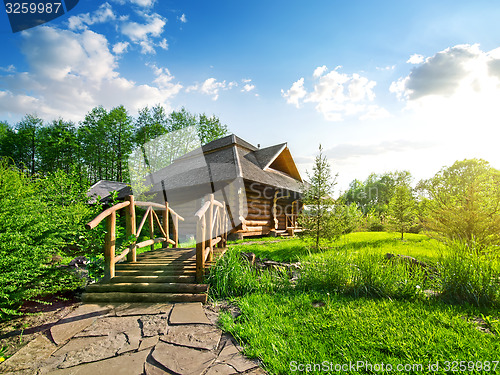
382,85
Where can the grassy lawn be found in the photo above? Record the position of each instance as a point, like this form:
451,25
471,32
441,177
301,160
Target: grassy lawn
316,322
416,245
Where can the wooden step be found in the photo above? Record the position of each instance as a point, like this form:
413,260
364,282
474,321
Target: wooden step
153,279
144,297
147,288
154,266
163,261
159,272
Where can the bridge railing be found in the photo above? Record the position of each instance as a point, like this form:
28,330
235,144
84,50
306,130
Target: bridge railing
209,234
150,217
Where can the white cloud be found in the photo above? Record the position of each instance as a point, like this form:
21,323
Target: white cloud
209,87
163,44
10,69
248,87
143,34
459,71
164,80
337,95
349,150
120,47
72,72
318,72
183,18
142,31
142,3
415,59
103,14
295,93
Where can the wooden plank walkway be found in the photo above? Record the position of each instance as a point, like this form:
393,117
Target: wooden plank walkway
160,275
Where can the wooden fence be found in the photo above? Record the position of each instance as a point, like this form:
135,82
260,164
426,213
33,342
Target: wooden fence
131,230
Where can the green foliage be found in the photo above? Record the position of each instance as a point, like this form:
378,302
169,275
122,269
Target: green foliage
106,139
347,217
374,194
233,276
311,328
466,277
464,204
402,208
39,218
318,215
58,147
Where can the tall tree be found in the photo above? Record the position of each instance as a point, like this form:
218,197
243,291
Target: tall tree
27,142
464,203
210,128
8,141
121,129
59,148
93,139
402,208
317,217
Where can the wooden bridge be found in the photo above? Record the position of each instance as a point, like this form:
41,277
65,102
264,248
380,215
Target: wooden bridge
163,274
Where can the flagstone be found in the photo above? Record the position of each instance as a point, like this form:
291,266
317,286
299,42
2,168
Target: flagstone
183,360
188,313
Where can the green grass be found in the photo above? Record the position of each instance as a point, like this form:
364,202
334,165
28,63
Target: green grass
352,304
416,245
280,329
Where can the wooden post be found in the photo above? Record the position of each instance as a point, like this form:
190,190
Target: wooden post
151,227
211,228
165,224
175,231
274,213
131,227
109,247
200,249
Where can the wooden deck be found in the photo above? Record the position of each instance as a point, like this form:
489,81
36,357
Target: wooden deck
160,275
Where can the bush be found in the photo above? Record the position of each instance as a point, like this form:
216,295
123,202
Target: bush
365,275
233,276
465,277
40,218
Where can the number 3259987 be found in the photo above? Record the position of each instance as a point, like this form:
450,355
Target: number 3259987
25,8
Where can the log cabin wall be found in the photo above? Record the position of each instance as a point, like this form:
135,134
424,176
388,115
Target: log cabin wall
259,215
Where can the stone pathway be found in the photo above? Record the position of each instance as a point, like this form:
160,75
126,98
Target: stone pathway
133,339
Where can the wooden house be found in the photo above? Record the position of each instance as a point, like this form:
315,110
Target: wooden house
260,186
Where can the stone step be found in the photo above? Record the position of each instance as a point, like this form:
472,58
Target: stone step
143,297
153,279
147,288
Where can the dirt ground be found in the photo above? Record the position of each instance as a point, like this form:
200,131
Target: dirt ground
37,317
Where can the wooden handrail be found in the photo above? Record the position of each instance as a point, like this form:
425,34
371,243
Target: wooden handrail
202,210
157,205
132,231
149,204
95,222
211,234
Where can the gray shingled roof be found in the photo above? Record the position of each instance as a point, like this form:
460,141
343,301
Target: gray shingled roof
104,188
265,155
221,162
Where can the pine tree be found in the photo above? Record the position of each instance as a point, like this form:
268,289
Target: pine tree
318,218
402,208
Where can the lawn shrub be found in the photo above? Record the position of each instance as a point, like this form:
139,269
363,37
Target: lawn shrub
466,277
233,276
363,275
40,218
